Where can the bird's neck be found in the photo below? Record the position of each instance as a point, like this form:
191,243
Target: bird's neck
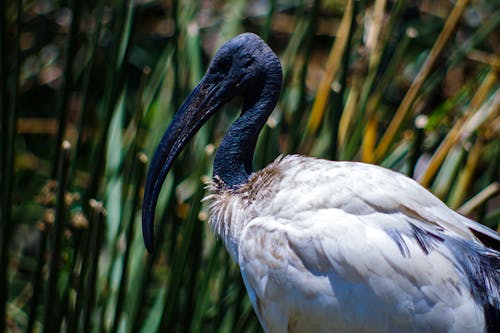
233,160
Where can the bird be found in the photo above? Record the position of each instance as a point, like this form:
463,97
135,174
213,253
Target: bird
327,246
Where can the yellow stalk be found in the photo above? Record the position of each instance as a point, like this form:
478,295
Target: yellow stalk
373,40
405,107
348,114
332,67
455,134
465,177
488,192
369,140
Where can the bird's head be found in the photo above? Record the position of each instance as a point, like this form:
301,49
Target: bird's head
239,64
237,69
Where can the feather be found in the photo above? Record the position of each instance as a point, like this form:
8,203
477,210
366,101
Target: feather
354,247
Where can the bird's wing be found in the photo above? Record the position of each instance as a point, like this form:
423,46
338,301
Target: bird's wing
360,189
347,272
486,235
391,191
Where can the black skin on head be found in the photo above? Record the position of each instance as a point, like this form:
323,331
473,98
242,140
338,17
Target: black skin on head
244,66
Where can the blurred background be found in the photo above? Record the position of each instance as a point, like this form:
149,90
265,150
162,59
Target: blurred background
88,87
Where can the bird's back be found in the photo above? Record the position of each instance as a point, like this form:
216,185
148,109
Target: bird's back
348,246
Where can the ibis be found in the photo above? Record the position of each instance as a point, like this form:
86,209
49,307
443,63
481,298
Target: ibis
328,246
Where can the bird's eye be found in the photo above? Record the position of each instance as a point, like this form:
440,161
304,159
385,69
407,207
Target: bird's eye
247,63
223,66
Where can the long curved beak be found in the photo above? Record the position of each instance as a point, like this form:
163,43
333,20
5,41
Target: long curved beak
196,110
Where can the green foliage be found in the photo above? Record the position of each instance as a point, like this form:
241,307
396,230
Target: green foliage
87,89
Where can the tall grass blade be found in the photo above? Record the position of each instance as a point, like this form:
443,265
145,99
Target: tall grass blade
182,251
120,306
460,127
74,321
464,50
406,104
53,296
96,239
377,42
116,84
266,29
10,108
86,84
332,67
448,172
62,116
465,177
38,278
480,198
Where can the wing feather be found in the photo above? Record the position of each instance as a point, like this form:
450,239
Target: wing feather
344,273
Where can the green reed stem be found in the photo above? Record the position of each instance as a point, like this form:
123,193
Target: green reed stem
9,117
182,253
73,321
86,85
116,82
96,240
70,51
52,297
141,159
38,277
266,31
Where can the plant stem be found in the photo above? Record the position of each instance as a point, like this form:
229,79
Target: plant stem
9,117
37,284
52,297
67,78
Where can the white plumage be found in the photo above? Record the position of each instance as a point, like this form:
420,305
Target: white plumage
350,247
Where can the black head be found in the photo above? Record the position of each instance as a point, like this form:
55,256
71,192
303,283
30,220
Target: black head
239,68
238,65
